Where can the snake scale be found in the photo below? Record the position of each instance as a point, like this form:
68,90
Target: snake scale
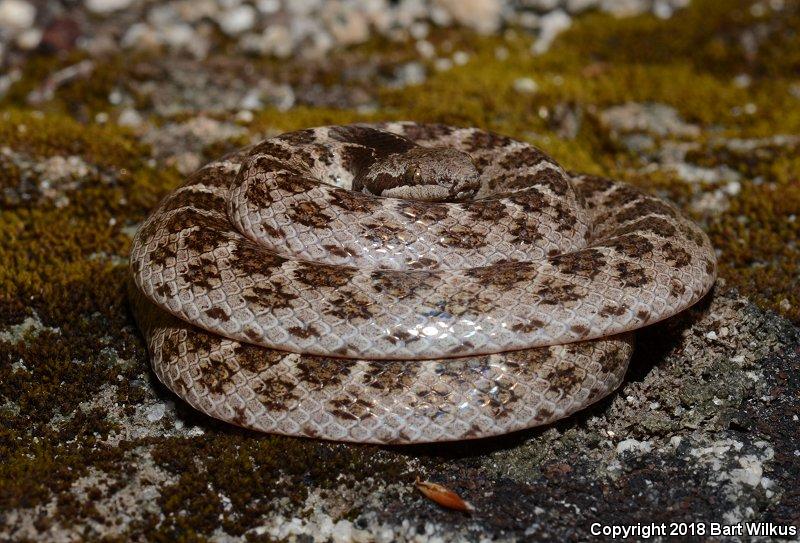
404,283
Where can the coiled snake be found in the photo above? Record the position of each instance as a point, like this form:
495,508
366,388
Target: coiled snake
404,282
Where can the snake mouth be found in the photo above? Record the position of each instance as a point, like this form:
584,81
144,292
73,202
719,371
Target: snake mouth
421,193
460,192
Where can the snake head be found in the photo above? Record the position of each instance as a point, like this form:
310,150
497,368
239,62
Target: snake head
423,173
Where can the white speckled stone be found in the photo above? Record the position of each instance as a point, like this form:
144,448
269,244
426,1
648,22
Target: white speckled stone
16,15
107,6
482,15
237,20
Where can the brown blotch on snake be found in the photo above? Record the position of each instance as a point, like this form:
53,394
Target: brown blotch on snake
321,371
322,276
270,295
304,332
679,257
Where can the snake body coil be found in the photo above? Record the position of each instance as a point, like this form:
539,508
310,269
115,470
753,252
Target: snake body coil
403,282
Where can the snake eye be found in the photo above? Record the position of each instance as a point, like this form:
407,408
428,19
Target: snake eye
413,175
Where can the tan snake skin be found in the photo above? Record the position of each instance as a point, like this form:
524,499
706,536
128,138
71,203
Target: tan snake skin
274,297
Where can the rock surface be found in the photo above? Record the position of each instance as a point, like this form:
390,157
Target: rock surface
702,430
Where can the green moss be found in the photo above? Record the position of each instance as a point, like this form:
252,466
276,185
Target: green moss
52,269
251,470
708,35
55,134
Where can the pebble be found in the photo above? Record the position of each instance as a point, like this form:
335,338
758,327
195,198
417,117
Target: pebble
107,6
481,15
525,85
733,188
251,100
638,143
662,9
16,15
750,472
29,39
140,36
59,168
237,20
425,49
552,24
276,40
623,8
268,7
634,445
310,28
567,120
185,163
443,64
460,58
129,117
700,174
156,412
178,35
419,31
657,119
347,27
410,73
245,116
742,81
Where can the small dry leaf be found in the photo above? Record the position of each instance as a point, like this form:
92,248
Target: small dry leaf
443,496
